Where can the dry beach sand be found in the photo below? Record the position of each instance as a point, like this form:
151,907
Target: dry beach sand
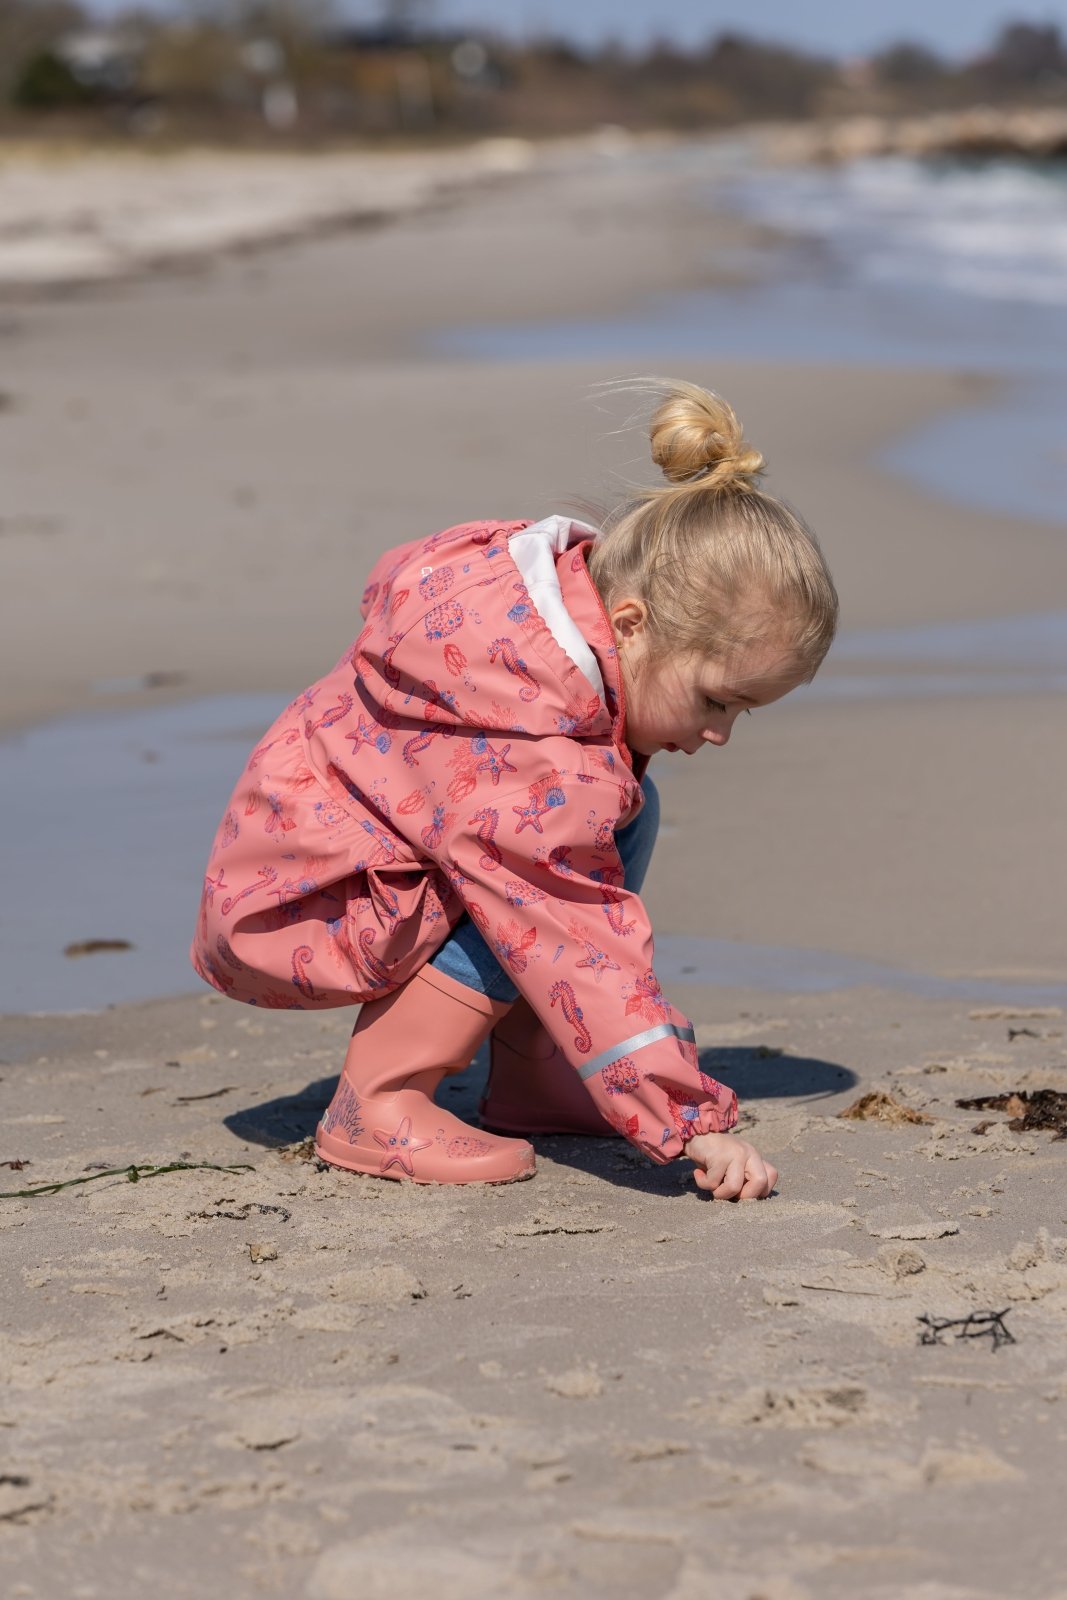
281,1380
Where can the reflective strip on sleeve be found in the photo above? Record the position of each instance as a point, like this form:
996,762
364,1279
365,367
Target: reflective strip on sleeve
662,1030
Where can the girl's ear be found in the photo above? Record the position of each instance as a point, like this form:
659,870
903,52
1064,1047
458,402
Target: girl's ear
628,617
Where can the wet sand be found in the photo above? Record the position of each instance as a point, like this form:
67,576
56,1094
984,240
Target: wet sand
291,1381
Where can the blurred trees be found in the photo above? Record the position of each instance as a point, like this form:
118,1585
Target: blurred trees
255,68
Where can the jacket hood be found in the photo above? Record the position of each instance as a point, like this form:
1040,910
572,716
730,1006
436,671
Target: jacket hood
515,596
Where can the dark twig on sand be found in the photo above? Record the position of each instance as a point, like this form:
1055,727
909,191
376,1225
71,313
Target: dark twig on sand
246,1210
132,1174
976,1325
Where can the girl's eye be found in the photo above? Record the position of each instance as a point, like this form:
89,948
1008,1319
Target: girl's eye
714,705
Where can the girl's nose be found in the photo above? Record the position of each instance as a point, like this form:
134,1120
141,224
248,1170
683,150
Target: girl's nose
721,734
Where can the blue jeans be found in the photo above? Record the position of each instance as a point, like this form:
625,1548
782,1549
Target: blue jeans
465,955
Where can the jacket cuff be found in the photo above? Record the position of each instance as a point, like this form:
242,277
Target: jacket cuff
662,1144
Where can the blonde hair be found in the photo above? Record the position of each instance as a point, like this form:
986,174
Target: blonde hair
713,556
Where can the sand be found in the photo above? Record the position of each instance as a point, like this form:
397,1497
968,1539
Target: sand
282,1380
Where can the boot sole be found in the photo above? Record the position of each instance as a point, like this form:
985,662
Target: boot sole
372,1169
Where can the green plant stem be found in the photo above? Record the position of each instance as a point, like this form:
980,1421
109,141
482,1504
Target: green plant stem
132,1174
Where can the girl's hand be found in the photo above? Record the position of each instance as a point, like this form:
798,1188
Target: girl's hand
730,1168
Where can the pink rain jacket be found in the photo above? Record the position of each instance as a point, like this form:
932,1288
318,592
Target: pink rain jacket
461,758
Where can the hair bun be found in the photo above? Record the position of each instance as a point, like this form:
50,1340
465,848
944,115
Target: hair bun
696,436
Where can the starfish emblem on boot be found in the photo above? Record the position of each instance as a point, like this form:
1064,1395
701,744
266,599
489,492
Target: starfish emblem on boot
400,1147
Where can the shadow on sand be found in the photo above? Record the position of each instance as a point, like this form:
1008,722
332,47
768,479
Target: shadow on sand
755,1074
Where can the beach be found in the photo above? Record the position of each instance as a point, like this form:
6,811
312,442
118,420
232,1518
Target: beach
282,1379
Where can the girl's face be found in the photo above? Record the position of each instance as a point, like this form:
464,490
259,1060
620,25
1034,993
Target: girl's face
685,702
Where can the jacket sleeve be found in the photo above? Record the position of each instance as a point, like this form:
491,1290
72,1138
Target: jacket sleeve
540,876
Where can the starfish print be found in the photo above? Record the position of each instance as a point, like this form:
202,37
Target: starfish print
401,1146
495,763
530,815
598,961
212,884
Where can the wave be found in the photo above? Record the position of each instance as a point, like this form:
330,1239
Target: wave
995,230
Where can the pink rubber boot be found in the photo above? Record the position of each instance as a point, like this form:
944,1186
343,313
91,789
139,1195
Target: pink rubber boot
383,1119
532,1088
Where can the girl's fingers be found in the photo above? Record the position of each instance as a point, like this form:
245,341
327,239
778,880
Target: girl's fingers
711,1176
760,1184
760,1179
732,1181
743,1175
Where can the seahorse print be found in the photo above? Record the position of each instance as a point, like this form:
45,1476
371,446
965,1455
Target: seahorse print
303,956
421,741
266,876
377,972
331,715
389,672
611,905
507,653
563,995
488,820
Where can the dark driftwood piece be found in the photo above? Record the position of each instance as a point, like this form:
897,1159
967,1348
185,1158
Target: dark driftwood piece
976,1325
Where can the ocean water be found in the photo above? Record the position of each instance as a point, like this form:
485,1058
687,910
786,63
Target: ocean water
889,262
121,809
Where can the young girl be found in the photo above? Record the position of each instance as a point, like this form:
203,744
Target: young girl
450,829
